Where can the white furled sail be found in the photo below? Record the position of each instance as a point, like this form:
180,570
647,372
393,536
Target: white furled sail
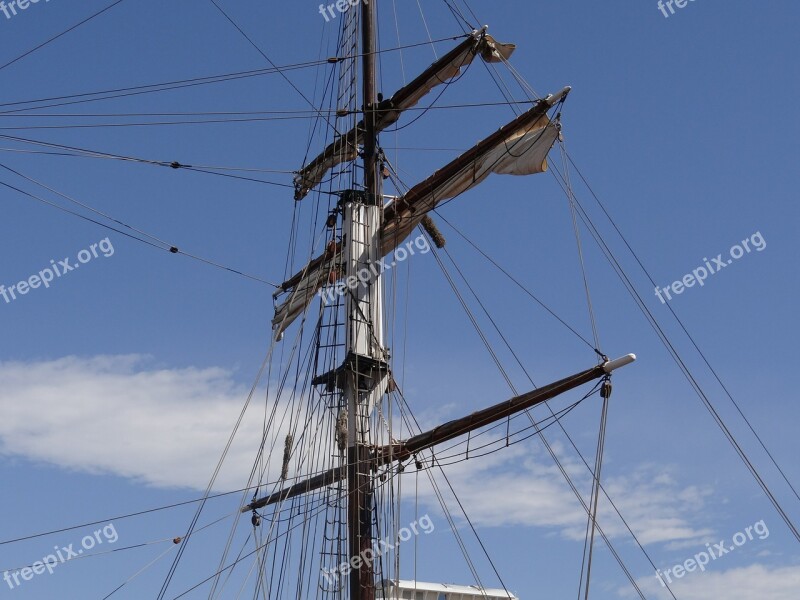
518,148
345,147
522,153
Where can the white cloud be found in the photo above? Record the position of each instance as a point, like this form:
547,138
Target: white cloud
167,427
520,487
745,583
122,416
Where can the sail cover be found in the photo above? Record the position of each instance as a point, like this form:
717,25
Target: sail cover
345,147
519,148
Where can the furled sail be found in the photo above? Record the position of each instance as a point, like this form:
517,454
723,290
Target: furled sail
518,148
345,147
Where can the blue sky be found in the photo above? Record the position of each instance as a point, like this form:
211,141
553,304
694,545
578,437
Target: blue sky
122,380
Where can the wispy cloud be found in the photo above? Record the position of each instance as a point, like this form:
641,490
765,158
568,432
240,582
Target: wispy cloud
122,415
166,427
744,583
520,487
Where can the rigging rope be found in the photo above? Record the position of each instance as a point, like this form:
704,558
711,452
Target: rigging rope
157,243
686,331
563,471
539,429
63,33
576,228
517,282
653,322
591,525
192,82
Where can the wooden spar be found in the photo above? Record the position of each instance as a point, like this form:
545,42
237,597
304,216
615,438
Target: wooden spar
414,86
394,210
448,431
387,112
452,169
481,418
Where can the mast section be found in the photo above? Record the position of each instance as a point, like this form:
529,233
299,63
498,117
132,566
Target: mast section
368,25
364,322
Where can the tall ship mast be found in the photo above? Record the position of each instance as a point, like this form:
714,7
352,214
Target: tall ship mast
371,227
337,481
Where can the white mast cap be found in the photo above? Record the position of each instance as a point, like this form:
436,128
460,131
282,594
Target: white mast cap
553,98
612,365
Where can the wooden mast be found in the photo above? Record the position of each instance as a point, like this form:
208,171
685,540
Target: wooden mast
363,377
368,24
364,338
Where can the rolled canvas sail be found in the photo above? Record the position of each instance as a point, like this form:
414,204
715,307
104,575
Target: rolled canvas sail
345,147
524,153
519,148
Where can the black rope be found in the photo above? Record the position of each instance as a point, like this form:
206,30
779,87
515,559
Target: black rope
653,322
691,338
55,37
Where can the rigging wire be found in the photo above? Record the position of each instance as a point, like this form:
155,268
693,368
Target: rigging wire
259,455
532,94
471,12
212,480
125,92
462,21
269,60
561,426
125,516
63,33
440,498
558,421
591,524
96,554
539,432
688,335
653,322
547,445
427,30
171,540
613,550
576,228
233,564
516,281
555,458
154,162
84,153
186,83
159,244
139,572
285,115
